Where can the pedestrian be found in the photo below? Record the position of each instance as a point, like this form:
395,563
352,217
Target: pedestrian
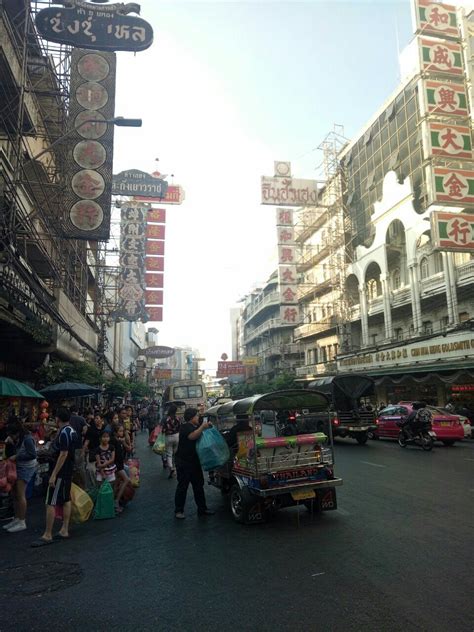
91,443
60,480
21,449
170,428
188,467
105,459
121,480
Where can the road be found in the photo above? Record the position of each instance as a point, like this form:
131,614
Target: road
397,555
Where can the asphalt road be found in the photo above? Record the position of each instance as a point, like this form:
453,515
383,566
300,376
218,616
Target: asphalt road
397,555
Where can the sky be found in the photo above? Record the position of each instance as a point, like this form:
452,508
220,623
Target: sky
226,89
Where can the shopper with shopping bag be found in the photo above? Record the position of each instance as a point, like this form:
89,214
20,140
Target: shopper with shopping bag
212,450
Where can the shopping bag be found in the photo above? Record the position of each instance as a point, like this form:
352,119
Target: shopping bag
159,447
212,450
82,504
128,493
154,435
58,512
134,471
11,472
105,504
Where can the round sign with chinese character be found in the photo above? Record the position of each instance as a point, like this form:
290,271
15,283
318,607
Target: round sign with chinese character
93,67
86,215
90,130
438,17
88,184
92,95
89,154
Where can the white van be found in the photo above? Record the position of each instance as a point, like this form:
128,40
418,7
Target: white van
191,392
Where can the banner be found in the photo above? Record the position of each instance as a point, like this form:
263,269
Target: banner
452,231
155,313
154,280
157,215
155,247
451,141
224,369
450,186
155,264
155,231
434,18
87,194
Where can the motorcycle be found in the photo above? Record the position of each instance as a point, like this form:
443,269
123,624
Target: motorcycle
423,437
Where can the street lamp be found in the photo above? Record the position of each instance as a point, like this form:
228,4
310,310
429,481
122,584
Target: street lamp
120,121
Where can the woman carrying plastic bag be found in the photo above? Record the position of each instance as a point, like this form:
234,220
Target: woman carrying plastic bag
212,450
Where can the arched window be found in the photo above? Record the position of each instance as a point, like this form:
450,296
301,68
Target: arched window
437,262
372,289
396,279
424,268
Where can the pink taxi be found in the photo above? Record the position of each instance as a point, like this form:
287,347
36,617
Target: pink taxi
446,427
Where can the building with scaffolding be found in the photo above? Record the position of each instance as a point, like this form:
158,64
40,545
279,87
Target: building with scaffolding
50,287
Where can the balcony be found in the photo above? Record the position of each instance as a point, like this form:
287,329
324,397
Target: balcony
269,325
354,312
316,370
433,285
312,255
311,329
270,299
375,306
401,296
465,273
309,222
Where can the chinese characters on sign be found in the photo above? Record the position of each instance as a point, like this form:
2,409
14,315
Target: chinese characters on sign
441,57
104,27
452,231
443,99
289,311
131,285
155,261
447,140
436,19
88,192
450,186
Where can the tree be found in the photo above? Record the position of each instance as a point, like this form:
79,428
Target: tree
138,390
59,371
117,386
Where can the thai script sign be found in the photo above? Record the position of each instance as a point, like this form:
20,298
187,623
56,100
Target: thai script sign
289,192
443,99
158,352
92,100
451,141
224,369
455,346
251,361
135,182
441,57
131,285
174,195
163,374
450,186
106,27
434,18
452,231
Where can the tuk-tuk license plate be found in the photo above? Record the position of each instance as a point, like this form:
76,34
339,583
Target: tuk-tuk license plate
303,494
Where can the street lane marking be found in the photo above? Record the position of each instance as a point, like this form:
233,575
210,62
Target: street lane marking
469,459
342,512
373,464
317,574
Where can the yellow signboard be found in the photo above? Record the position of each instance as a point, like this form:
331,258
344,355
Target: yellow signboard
251,361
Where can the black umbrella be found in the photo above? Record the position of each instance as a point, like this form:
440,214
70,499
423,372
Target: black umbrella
69,389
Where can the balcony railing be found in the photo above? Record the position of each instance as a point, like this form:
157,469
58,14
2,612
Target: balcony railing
270,299
401,296
322,368
375,306
273,323
465,273
434,284
310,329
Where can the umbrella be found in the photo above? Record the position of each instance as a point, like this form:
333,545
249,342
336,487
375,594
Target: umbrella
69,389
12,388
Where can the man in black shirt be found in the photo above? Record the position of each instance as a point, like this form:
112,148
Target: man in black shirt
188,467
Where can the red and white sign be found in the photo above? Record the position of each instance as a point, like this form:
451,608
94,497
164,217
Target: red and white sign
157,215
174,195
434,18
288,295
224,369
285,235
450,186
155,313
452,231
153,297
284,217
155,231
154,280
443,99
441,56
286,255
289,315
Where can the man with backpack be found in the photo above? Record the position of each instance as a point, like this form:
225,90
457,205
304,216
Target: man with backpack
419,417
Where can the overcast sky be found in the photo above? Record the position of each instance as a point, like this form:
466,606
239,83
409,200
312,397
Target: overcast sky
226,89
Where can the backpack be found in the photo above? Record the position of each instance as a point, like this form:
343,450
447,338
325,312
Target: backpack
423,416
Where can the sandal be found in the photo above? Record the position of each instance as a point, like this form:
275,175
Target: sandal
41,542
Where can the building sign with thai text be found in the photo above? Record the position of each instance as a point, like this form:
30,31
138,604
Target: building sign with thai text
135,182
158,352
452,231
226,368
106,27
451,347
280,191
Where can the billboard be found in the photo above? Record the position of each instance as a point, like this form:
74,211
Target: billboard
445,140
226,368
452,231
279,191
434,18
87,194
450,186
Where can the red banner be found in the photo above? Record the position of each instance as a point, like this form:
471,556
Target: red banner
224,369
163,374
157,215
174,195
155,313
154,280
155,231
155,264
155,247
153,297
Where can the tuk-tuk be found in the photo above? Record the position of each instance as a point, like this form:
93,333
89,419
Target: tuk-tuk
265,474
351,416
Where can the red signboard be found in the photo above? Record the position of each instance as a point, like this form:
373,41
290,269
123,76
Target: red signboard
157,215
154,280
155,264
462,388
155,231
155,247
163,374
155,313
153,297
174,195
225,369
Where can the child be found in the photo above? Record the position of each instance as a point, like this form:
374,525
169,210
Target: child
122,446
105,459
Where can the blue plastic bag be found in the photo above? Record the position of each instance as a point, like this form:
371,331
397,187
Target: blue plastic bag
212,450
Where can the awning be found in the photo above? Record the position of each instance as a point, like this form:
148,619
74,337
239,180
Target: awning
455,377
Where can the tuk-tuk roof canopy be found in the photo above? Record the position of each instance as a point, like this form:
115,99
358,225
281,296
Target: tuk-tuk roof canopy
293,399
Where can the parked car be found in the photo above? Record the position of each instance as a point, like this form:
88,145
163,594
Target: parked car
447,427
464,421
267,416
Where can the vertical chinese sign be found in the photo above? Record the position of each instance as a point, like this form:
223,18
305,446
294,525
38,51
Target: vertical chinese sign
452,231
131,283
87,194
155,263
446,127
289,310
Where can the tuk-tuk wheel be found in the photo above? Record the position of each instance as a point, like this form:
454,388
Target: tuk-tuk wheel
240,501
